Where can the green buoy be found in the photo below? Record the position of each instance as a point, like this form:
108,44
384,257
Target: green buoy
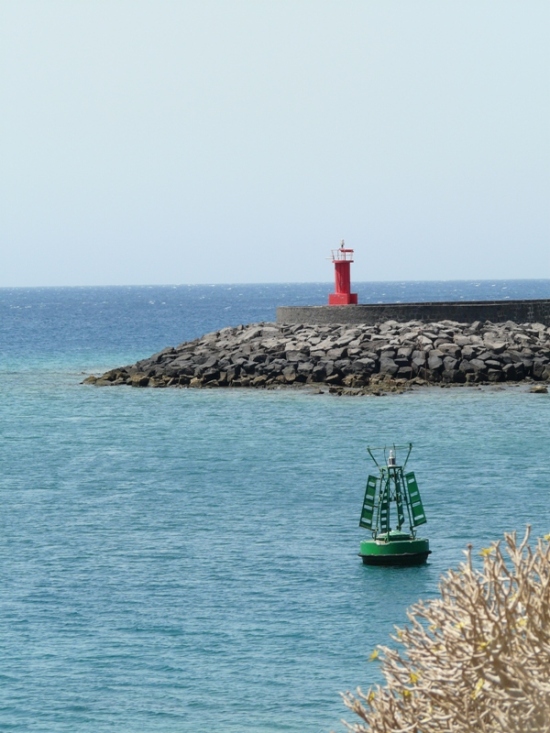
392,486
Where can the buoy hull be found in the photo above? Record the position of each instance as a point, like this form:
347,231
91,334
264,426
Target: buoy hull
381,551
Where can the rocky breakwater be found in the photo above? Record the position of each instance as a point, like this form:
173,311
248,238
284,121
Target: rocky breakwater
361,358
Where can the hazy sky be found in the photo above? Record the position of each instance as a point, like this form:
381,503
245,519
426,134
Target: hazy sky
224,141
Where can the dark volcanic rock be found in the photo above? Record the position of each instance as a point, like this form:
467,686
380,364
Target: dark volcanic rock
368,358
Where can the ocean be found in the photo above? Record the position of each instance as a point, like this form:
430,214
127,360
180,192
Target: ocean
186,560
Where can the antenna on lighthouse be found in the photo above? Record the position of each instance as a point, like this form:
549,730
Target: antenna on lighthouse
342,259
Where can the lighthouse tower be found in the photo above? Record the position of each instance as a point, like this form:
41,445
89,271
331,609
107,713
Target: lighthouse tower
342,259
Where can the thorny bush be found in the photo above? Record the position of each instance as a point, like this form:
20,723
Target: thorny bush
477,659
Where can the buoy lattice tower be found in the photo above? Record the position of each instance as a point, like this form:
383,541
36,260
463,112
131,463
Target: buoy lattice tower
393,486
342,259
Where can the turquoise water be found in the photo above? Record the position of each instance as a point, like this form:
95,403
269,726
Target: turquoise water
180,560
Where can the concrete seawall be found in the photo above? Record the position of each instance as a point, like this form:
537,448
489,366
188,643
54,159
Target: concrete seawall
519,311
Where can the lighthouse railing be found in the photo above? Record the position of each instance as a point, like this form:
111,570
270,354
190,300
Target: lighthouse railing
342,255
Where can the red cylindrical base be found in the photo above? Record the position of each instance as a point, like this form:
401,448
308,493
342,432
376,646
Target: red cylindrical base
342,299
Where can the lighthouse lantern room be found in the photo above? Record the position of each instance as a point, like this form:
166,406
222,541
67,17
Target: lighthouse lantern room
342,259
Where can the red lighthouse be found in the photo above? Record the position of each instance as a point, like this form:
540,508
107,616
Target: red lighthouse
342,259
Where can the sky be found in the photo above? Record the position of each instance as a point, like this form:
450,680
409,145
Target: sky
238,141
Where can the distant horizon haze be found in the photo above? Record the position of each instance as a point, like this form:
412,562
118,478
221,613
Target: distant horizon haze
541,286
199,141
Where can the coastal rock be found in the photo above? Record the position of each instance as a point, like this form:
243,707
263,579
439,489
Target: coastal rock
266,355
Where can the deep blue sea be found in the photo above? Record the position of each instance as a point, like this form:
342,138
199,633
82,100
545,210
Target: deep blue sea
186,560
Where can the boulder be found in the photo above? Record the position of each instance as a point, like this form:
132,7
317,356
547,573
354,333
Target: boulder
139,380
388,367
449,349
435,363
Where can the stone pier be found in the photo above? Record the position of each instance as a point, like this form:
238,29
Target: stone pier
500,311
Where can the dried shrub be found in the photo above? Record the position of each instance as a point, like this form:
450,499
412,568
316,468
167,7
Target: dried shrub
477,659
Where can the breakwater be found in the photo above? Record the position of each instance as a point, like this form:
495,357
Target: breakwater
498,311
358,357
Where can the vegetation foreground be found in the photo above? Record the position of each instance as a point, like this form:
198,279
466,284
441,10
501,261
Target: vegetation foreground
477,659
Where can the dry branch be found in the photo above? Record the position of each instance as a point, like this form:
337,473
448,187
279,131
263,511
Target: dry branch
477,659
